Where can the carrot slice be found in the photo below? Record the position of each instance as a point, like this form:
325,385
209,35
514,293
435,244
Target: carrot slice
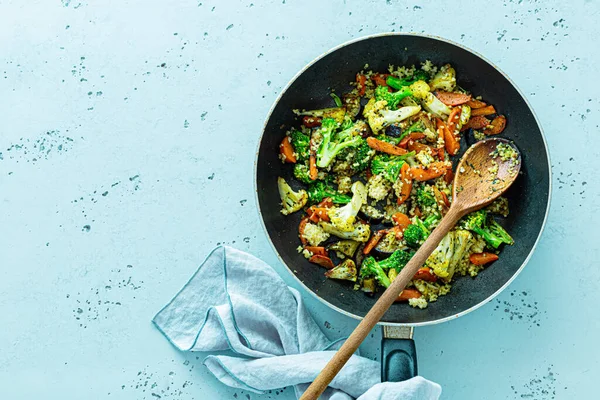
361,84
483,111
407,294
482,258
318,213
377,236
452,99
287,150
411,136
418,147
301,228
401,220
445,199
327,202
449,177
476,103
312,163
380,79
477,122
406,178
311,122
425,274
323,261
432,171
452,145
317,250
453,119
497,125
385,147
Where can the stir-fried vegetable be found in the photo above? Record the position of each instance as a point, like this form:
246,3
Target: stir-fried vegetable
374,183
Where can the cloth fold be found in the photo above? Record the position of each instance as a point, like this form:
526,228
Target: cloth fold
236,302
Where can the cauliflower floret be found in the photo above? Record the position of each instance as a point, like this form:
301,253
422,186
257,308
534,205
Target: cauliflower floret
290,201
434,105
314,234
343,217
424,157
360,233
378,187
444,79
378,116
419,89
439,260
419,302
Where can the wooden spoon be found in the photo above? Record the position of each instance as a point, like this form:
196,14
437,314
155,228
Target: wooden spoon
483,173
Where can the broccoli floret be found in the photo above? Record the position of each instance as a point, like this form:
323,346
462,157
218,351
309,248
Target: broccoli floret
388,166
397,260
431,220
379,116
371,268
392,98
398,83
415,233
343,218
488,229
425,197
333,142
361,157
290,201
319,190
301,144
301,172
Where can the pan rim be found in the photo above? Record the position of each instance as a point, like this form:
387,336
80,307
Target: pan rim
441,39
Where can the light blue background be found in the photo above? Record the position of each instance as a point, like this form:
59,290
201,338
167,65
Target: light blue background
180,140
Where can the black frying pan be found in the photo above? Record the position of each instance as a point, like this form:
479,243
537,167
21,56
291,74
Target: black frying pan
529,197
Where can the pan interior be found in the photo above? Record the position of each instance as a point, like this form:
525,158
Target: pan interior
528,197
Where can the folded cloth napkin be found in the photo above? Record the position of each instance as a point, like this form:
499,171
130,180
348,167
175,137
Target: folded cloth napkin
236,302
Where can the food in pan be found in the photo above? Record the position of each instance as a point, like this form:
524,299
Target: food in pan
372,177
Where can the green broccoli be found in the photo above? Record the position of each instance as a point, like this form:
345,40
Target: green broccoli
392,98
361,157
318,190
302,173
333,142
415,233
397,83
388,166
397,260
425,197
431,220
487,228
371,268
301,144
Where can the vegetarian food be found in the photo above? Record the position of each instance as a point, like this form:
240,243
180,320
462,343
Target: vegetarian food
373,177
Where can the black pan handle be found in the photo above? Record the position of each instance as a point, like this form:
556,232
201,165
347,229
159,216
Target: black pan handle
398,354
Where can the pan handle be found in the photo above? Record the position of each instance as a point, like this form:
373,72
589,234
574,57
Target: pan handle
398,354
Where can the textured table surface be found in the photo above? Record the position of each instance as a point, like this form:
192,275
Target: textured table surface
127,138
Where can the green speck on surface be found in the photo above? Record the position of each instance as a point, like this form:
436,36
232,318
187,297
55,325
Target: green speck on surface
229,27
90,93
203,115
105,194
133,178
99,93
186,124
86,228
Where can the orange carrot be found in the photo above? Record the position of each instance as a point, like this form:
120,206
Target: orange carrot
497,125
406,178
317,250
418,147
311,122
385,147
477,122
483,111
449,177
361,84
287,150
327,202
401,220
312,163
411,136
425,274
301,228
377,236
445,199
408,294
482,258
317,214
323,261
476,103
432,171
452,145
452,99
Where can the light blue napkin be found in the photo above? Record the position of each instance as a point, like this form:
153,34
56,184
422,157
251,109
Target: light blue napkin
237,302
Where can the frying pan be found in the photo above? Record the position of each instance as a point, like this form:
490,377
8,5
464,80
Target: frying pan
529,197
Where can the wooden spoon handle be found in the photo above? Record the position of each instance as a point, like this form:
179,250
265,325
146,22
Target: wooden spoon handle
381,306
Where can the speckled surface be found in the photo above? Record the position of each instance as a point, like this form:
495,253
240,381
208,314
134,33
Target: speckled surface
127,139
